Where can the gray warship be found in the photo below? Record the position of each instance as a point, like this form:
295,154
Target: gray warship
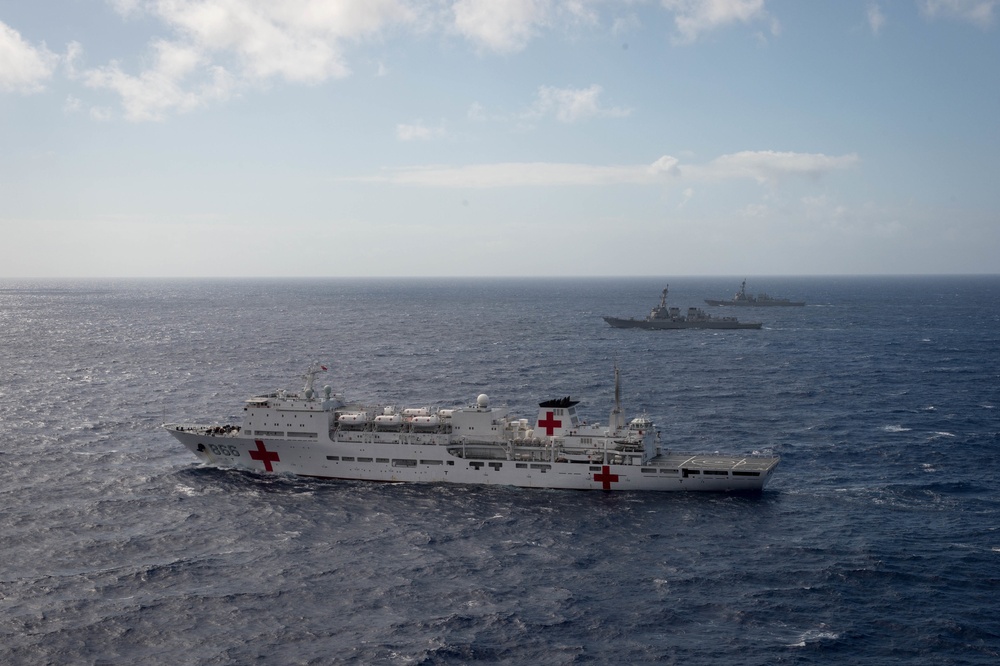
760,300
663,317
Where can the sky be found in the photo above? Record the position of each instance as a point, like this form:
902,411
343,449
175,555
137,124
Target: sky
362,138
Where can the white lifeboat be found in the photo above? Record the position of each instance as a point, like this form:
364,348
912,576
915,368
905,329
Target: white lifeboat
416,411
424,421
388,421
353,419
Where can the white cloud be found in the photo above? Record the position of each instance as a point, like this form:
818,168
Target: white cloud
686,196
514,174
768,165
23,68
476,112
418,131
569,105
694,17
625,25
666,164
223,45
876,19
101,113
977,12
762,166
507,26
159,89
72,105
503,27
125,7
73,52
297,40
239,44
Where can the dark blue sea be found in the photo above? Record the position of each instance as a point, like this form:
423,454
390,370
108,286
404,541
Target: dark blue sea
877,541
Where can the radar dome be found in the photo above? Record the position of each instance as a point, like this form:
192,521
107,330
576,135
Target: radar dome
483,401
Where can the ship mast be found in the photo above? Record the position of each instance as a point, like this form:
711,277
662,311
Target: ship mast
310,378
617,419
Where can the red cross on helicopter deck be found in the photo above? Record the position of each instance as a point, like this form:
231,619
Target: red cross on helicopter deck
549,423
606,477
262,454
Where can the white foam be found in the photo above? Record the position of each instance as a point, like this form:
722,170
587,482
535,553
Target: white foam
814,636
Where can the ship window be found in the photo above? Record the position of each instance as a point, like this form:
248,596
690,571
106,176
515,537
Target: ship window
431,462
595,468
687,472
746,473
333,457
717,472
542,467
364,459
382,460
404,462
649,470
668,471
522,465
476,465
496,465
348,458
307,435
451,462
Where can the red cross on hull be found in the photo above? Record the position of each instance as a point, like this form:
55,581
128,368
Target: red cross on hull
606,477
265,456
550,423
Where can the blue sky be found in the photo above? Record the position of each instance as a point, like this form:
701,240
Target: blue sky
499,138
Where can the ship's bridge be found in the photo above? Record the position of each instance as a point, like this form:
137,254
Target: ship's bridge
480,422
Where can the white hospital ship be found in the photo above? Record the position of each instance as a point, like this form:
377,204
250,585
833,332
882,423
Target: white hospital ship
324,436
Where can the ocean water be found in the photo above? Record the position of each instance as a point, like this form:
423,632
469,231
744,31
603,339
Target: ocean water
877,541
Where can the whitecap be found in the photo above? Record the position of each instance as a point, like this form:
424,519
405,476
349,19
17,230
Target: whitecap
814,636
896,428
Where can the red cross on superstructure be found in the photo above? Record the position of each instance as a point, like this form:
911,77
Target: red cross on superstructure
549,423
262,454
607,477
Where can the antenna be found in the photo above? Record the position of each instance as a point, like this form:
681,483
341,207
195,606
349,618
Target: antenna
310,377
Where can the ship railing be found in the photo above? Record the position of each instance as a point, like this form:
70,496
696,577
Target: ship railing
225,430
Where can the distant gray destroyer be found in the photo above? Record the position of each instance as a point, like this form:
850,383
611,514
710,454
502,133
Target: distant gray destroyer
663,317
320,434
760,300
